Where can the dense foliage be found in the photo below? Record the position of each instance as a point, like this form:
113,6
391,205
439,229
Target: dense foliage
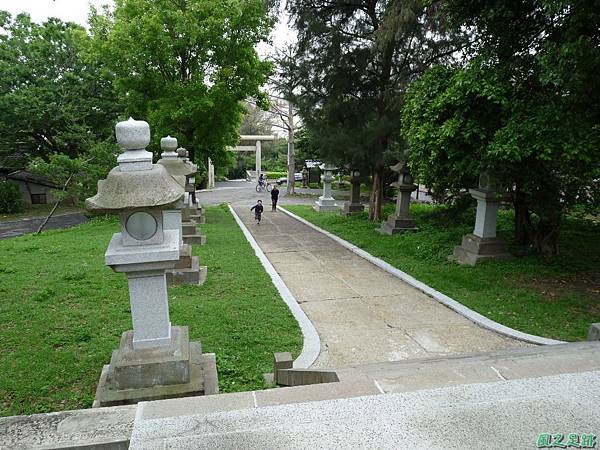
186,66
524,106
10,198
54,98
356,60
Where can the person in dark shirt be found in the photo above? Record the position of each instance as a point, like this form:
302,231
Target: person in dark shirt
274,198
258,210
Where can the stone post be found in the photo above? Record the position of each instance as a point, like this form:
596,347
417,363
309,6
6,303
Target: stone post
354,205
326,202
211,174
401,221
154,360
188,269
258,159
482,244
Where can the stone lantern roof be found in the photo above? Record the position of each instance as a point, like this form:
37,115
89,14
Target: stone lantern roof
136,182
176,167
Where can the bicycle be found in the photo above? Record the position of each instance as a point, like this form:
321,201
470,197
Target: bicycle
264,186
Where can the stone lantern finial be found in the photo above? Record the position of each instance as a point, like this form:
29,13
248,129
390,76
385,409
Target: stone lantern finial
133,136
169,147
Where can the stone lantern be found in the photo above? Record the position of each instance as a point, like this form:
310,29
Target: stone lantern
326,202
401,220
193,211
305,174
155,359
354,205
188,269
482,244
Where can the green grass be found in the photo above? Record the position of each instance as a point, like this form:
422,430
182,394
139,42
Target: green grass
62,312
557,298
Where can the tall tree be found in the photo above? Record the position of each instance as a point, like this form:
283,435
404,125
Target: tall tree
524,106
187,65
54,96
357,59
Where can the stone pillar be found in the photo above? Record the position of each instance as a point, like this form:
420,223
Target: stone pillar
326,202
305,177
354,205
154,360
211,174
482,244
258,159
401,220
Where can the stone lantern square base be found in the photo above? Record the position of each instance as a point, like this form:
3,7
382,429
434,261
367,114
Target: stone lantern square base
475,249
195,274
351,208
325,205
176,370
395,225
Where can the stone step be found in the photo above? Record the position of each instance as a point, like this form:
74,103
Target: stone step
194,239
500,415
537,361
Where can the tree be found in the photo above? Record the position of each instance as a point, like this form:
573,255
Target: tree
186,66
524,106
54,97
356,60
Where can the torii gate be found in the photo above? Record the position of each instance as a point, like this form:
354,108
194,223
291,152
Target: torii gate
257,147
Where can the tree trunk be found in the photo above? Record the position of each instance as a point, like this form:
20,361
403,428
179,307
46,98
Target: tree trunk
376,197
547,233
290,155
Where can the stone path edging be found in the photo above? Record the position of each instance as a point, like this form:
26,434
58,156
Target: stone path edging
461,309
312,343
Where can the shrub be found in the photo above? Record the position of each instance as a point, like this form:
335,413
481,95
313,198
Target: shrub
10,198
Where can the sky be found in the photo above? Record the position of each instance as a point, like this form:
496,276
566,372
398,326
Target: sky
77,11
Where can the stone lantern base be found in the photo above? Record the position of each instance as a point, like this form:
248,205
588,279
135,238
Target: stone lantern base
176,370
395,225
350,208
191,234
325,205
475,249
188,269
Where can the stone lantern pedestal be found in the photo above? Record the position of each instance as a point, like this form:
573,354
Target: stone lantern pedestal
354,205
188,269
326,202
154,360
482,244
401,221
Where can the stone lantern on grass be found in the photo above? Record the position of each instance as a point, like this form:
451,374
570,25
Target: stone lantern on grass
191,213
155,359
401,220
354,205
326,202
482,244
187,270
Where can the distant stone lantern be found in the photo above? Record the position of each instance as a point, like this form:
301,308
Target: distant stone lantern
188,269
483,244
193,211
354,205
401,220
326,202
155,359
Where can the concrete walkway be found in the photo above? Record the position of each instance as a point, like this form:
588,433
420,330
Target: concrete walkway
25,226
363,314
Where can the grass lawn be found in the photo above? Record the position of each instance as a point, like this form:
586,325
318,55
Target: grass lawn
557,299
62,312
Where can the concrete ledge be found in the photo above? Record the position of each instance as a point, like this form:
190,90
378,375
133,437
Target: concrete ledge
312,342
461,309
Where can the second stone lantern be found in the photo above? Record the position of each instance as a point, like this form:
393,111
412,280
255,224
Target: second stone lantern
187,270
155,359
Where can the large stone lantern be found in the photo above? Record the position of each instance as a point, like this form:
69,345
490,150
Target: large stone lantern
401,221
155,359
188,269
482,244
326,202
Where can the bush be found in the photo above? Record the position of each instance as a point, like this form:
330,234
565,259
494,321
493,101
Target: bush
276,175
10,198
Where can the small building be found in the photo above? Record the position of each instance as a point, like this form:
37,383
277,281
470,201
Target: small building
35,189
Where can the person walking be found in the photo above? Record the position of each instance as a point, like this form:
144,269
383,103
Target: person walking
258,210
274,198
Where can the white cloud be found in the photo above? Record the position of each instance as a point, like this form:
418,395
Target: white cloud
40,10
